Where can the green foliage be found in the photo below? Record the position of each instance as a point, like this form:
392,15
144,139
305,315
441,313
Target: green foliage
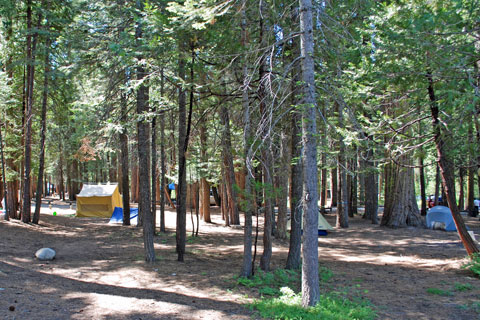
439,292
463,286
474,264
268,283
288,306
325,274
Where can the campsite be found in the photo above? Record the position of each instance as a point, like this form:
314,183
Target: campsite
239,159
99,271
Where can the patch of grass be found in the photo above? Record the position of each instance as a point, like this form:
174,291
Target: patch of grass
463,286
332,306
474,264
278,278
473,306
268,291
439,292
325,274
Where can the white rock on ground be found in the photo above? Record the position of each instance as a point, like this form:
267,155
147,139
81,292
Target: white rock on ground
45,254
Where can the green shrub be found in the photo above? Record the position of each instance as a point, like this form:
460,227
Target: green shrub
439,292
474,264
325,274
278,278
463,286
332,306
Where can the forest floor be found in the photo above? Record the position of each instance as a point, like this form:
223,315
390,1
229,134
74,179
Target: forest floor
99,272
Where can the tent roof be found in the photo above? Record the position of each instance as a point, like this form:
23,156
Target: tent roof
97,190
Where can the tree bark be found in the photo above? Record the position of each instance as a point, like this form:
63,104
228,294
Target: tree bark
247,263
41,167
154,170
266,155
143,132
342,192
124,158
310,282
446,169
423,210
461,196
229,176
27,156
371,188
294,249
401,208
204,185
296,175
282,178
4,179
162,159
334,186
437,184
182,176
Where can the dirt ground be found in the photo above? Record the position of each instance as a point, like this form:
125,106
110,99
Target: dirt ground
99,272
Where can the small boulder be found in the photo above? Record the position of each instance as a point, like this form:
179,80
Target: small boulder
45,254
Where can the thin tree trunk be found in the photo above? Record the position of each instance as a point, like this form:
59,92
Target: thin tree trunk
4,179
154,171
143,132
229,176
310,282
371,187
296,174
31,48
423,210
266,152
247,263
294,250
162,159
182,176
38,200
461,196
342,193
124,159
446,168
334,187
437,184
281,230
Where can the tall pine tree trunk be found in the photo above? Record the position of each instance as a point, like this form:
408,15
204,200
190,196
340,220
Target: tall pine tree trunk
342,191
296,175
281,230
27,156
162,158
143,131
154,171
41,167
124,158
181,230
247,263
310,282
266,154
446,168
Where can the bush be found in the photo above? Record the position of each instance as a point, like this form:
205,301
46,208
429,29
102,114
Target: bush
332,306
474,264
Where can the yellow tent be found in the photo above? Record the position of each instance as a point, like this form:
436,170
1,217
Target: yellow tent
98,200
322,223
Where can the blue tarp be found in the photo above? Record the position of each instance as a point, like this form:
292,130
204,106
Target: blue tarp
117,215
441,214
